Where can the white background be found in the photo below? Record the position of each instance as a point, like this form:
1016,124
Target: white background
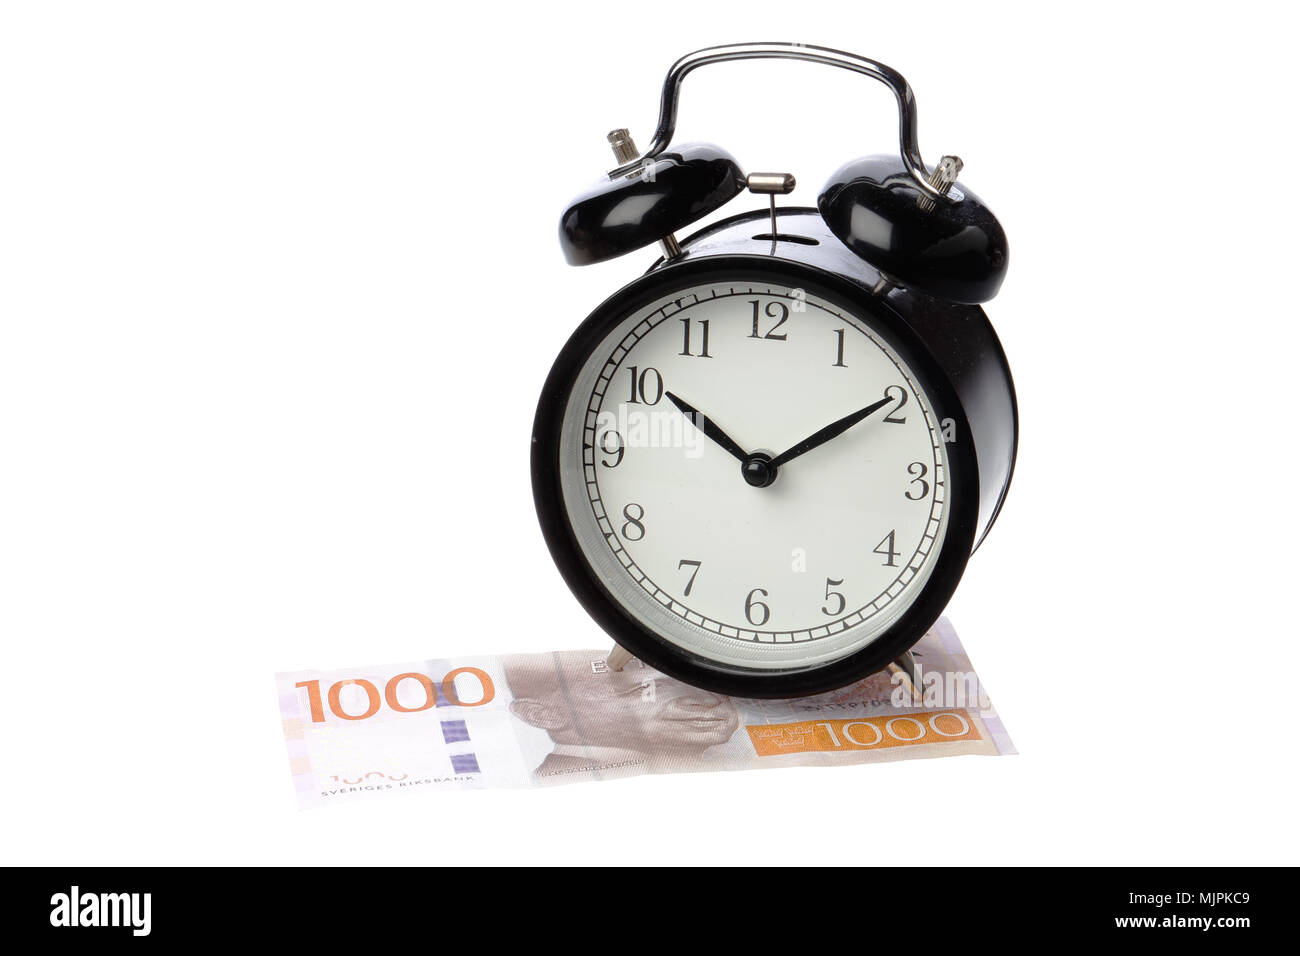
279,284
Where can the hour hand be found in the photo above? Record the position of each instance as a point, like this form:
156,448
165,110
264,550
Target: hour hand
708,426
829,432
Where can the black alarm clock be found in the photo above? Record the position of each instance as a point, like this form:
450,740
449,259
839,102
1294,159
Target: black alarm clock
762,466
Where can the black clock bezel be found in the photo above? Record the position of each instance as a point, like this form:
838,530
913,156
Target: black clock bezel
659,652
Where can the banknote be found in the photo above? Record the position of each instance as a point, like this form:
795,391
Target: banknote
534,720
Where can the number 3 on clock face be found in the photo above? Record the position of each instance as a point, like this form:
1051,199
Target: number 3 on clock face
755,474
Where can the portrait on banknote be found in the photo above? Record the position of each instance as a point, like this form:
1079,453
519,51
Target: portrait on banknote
602,721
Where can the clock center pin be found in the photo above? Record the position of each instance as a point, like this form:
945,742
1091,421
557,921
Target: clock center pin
758,469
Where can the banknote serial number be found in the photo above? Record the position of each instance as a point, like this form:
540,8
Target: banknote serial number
475,690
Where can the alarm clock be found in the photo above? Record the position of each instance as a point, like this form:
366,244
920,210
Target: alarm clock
762,466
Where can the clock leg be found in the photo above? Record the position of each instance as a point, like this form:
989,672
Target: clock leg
617,658
907,665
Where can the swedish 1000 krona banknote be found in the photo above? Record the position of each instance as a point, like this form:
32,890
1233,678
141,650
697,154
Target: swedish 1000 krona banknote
530,720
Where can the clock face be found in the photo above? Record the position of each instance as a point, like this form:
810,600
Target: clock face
755,474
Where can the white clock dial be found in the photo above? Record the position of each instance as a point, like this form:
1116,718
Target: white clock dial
808,568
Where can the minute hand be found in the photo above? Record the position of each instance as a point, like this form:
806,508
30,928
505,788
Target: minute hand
829,432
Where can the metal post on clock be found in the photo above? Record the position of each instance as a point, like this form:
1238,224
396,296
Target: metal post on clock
771,185
620,141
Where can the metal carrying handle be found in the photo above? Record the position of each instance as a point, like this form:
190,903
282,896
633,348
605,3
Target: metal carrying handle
908,149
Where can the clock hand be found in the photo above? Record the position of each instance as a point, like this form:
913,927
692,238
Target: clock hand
708,426
829,432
